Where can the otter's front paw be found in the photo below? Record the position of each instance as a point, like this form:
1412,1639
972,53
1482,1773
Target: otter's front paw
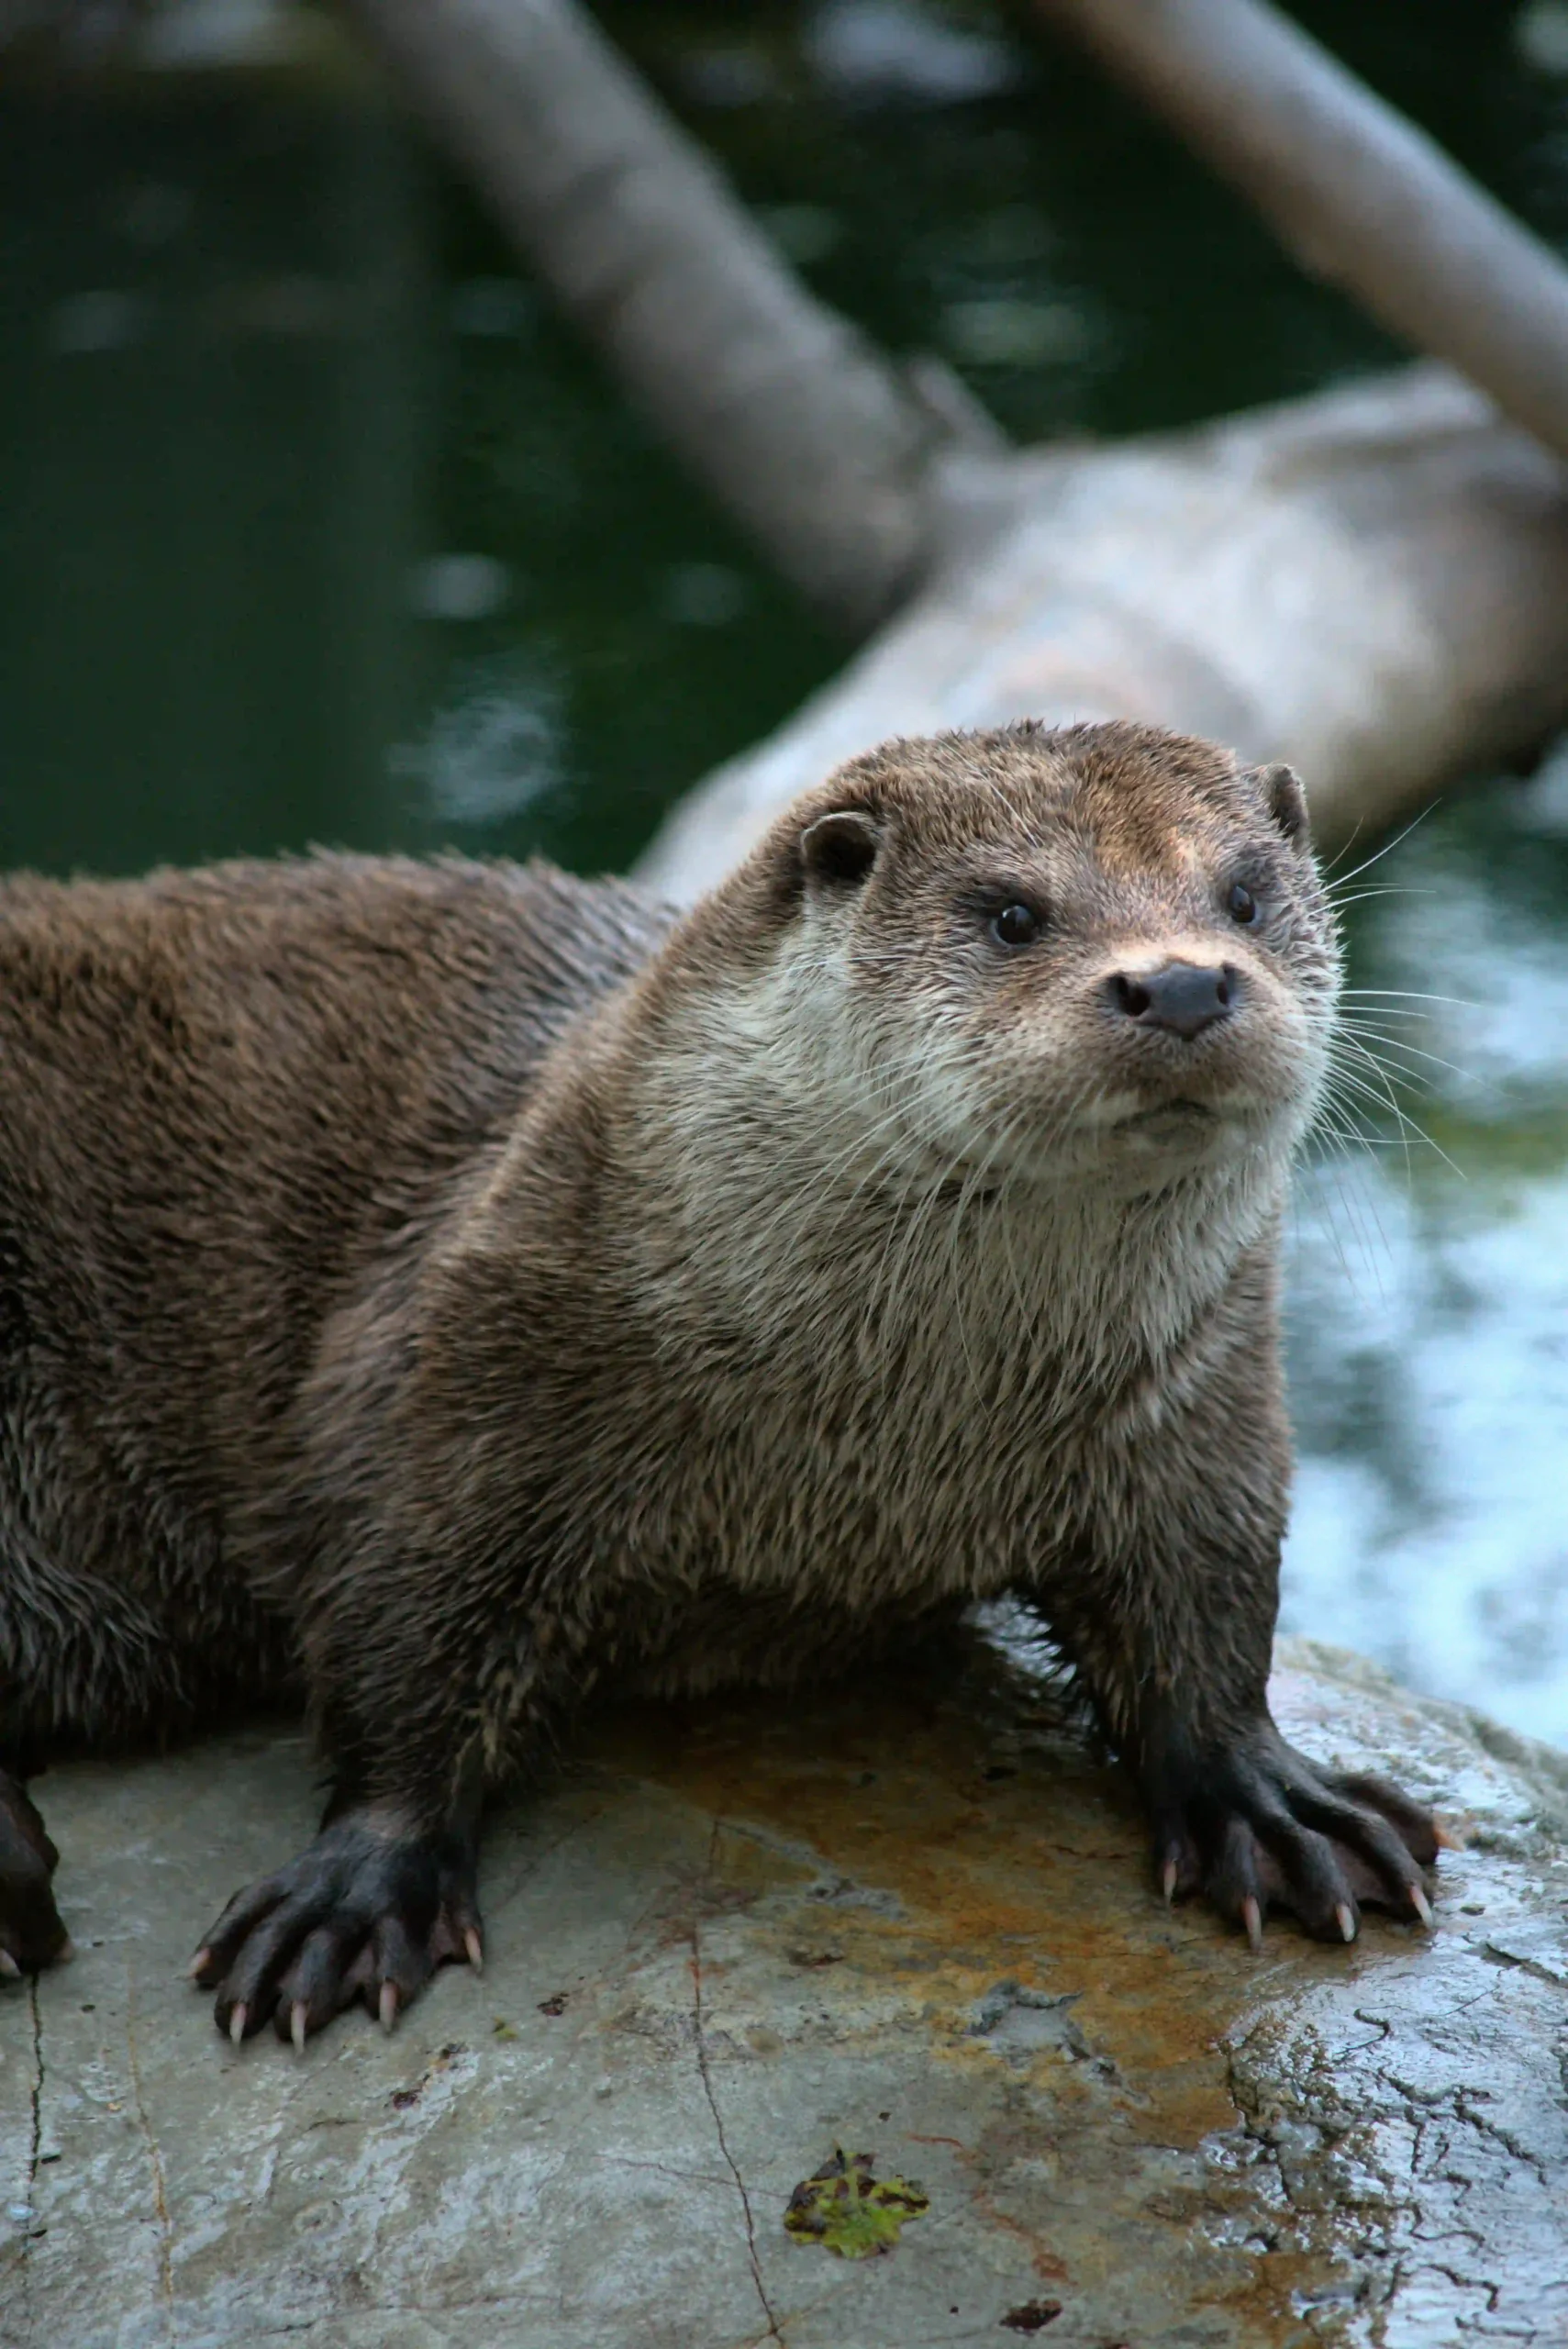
31,1934
363,1914
1254,1824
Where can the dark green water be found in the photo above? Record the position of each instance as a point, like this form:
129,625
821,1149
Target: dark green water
315,525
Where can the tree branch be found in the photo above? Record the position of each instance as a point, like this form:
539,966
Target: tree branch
832,459
1357,193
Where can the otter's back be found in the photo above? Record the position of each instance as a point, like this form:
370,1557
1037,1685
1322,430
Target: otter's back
224,1093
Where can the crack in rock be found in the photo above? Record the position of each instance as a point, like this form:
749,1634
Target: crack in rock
700,2037
155,2157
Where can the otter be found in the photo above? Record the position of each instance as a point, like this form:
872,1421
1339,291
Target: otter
446,1289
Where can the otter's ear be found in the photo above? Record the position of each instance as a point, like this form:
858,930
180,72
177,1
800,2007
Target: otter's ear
837,851
1283,798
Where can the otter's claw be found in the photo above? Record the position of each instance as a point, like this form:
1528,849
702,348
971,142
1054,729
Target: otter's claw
1256,1825
364,1914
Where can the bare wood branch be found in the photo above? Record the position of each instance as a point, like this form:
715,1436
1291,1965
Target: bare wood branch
828,454
1354,190
1371,584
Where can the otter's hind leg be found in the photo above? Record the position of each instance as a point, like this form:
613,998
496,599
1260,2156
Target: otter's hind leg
79,1661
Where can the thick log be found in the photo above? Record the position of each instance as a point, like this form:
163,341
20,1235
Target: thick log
1371,584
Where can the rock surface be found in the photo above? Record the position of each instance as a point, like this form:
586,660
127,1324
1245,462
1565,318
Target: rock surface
911,1922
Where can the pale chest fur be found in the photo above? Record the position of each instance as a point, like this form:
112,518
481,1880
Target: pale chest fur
910,1402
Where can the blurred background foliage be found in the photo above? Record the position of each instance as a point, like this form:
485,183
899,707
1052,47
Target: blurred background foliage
317,525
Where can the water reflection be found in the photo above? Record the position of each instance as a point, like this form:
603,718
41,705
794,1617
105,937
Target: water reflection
877,51
215,337
1430,1293
495,749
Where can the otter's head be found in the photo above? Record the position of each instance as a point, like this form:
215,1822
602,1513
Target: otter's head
1098,954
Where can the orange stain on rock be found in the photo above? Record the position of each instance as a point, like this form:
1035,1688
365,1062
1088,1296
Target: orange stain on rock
1039,1879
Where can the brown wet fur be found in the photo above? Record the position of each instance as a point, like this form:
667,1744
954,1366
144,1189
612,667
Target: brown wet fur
447,1288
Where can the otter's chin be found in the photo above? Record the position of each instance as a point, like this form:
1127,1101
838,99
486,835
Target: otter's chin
1182,1135
1172,1120
1163,1138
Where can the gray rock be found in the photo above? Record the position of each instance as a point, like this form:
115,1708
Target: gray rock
914,1923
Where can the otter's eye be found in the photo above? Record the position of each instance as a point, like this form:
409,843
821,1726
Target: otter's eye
1244,906
1014,926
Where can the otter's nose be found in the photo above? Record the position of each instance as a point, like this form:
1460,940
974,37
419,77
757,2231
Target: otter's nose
1185,997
